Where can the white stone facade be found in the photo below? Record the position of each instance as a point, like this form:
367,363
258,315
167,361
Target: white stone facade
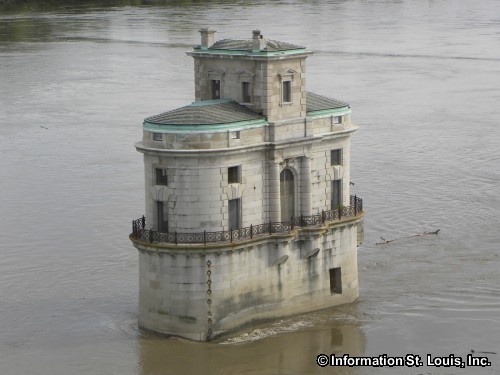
258,278
247,282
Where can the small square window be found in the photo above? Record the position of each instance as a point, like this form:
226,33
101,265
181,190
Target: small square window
157,136
245,92
233,175
336,157
235,135
337,120
287,91
336,280
161,177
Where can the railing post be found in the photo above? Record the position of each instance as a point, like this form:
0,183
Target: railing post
270,227
151,236
133,229
340,212
291,225
355,206
175,236
231,233
323,216
143,222
205,237
251,231
302,220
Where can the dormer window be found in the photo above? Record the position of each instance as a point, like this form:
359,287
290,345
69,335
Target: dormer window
245,79
245,92
214,84
157,137
287,91
286,78
214,89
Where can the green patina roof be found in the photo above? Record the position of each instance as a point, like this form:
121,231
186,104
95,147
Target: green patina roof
315,102
207,112
221,112
247,45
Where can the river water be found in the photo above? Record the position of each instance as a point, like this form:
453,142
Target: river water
423,79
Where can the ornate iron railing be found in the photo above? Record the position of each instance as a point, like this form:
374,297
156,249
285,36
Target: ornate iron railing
139,231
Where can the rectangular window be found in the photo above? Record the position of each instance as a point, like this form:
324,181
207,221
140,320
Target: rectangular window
215,89
245,92
337,120
157,136
235,135
336,194
336,280
161,217
161,177
287,91
336,157
233,175
234,213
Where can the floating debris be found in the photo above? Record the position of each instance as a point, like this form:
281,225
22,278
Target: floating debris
400,238
474,351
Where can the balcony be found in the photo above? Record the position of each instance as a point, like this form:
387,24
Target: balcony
140,233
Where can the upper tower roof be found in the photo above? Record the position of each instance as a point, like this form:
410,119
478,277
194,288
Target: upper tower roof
247,45
257,46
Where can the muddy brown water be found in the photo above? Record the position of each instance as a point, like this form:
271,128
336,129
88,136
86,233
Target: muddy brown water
423,79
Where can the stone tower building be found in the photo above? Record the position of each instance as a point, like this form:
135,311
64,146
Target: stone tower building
248,210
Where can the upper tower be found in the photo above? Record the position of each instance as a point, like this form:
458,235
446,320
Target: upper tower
267,76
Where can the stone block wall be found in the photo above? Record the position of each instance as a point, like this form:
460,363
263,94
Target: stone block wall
275,73
198,190
205,140
323,173
329,124
231,73
265,78
287,131
256,280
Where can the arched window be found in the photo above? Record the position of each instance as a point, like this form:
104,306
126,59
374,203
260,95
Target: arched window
287,195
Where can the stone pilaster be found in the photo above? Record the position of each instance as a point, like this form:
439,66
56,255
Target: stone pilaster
305,186
274,191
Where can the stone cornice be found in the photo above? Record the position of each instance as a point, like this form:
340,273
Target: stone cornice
250,55
245,148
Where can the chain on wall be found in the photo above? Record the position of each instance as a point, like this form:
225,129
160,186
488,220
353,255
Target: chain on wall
209,300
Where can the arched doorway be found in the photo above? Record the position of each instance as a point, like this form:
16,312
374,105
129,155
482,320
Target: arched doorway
287,194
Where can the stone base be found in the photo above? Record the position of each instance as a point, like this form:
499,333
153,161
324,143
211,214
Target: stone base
199,292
